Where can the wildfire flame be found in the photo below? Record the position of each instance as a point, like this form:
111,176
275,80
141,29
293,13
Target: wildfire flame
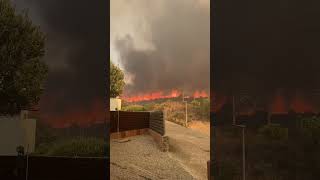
278,105
82,117
200,94
162,95
300,104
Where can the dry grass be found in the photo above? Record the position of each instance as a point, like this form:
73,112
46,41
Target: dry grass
202,126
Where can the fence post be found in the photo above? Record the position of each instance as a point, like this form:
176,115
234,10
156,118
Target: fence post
118,118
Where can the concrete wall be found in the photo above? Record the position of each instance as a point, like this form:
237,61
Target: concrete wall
16,131
115,103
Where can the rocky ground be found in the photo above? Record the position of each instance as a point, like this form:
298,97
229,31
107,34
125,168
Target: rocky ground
139,157
189,147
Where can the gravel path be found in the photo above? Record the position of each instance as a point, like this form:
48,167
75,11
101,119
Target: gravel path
140,158
189,147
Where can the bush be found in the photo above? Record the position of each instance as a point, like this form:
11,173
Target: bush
274,132
134,108
83,147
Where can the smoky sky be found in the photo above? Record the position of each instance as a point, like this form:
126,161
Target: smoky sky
76,51
178,36
266,45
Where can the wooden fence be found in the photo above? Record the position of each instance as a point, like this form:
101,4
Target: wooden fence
126,121
157,122
53,168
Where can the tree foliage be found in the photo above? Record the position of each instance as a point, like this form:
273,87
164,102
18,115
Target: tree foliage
22,73
116,81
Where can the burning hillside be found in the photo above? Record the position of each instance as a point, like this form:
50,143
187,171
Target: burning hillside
265,52
82,116
163,95
277,102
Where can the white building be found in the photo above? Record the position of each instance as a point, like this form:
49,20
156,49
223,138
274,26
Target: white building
17,131
115,104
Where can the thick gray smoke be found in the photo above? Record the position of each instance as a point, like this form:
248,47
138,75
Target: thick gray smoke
76,52
262,46
178,35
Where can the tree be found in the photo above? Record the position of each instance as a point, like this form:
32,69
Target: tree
22,71
116,81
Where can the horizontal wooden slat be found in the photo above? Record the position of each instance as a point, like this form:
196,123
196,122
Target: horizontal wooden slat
157,122
129,120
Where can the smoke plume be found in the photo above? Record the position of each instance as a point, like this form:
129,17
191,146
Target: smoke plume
167,47
261,47
76,53
264,46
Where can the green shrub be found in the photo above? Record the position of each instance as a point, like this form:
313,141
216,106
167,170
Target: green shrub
134,108
274,132
82,147
310,128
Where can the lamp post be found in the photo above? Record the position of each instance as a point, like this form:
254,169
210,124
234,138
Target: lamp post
233,111
186,109
243,138
243,151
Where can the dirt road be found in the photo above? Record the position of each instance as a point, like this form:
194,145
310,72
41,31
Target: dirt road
139,158
190,148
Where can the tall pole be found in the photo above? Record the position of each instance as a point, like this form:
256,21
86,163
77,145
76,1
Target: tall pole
27,168
243,155
118,128
233,111
186,114
186,109
213,165
243,151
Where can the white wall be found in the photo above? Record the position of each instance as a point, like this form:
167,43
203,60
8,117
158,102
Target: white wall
115,103
15,131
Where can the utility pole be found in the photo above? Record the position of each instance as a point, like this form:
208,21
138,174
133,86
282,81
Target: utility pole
186,114
186,109
118,122
233,111
243,151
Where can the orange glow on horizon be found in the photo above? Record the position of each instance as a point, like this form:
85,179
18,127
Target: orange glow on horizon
162,95
300,104
278,105
82,117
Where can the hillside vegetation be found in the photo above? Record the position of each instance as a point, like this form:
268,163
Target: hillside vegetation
175,109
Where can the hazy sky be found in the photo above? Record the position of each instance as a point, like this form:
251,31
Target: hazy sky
76,41
172,36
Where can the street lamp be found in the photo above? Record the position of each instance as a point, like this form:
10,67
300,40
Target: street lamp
243,151
186,109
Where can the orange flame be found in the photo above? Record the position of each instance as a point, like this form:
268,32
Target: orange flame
200,94
162,95
82,117
278,106
300,104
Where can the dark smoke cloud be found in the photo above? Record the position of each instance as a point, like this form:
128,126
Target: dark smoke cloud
266,45
77,38
180,53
